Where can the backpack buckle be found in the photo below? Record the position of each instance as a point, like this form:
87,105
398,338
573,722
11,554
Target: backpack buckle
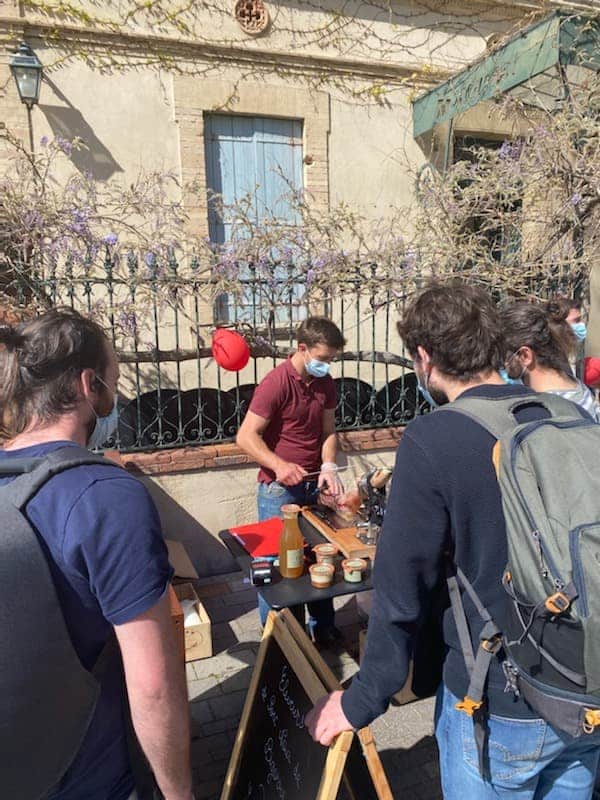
557,603
492,645
468,705
591,720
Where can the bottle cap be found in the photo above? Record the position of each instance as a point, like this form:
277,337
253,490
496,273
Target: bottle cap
290,510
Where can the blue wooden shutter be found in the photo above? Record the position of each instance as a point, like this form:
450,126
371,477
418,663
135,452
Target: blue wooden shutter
255,157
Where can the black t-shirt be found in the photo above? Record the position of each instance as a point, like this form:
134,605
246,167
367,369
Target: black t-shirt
444,497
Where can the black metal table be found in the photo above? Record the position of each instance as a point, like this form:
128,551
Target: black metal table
291,592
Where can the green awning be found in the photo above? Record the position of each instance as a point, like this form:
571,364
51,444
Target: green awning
531,64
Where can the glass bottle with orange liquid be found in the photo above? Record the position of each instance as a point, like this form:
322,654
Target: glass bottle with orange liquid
291,543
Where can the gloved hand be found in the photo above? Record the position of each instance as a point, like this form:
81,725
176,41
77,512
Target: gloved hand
329,484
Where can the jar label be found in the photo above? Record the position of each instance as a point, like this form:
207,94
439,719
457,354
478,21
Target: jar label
294,558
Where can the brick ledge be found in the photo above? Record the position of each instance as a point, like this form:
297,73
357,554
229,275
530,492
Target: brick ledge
189,459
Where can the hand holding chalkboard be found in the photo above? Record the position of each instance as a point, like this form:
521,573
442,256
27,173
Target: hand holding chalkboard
327,719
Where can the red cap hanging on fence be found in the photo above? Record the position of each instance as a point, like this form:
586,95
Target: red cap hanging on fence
230,349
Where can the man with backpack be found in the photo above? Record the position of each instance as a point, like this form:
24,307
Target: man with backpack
84,579
491,493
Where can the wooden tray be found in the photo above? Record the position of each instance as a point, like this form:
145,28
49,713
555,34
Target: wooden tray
344,539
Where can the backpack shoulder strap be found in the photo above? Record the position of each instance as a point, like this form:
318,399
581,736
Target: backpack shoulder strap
16,466
34,473
497,414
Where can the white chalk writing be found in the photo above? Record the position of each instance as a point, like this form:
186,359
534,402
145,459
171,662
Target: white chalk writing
271,710
283,743
284,684
273,776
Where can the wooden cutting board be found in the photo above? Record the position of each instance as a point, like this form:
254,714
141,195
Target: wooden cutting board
345,539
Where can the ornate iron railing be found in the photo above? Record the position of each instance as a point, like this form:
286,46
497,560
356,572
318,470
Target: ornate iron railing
160,318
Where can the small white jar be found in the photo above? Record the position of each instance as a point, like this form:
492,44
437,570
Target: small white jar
354,568
321,575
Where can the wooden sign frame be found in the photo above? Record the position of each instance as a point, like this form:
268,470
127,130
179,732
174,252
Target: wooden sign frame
316,679
365,737
277,627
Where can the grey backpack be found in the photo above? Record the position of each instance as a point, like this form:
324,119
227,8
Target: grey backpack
47,698
549,476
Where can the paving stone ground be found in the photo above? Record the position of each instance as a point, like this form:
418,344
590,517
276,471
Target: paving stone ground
217,690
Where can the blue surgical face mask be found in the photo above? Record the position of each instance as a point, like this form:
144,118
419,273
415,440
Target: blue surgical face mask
507,379
316,368
580,330
425,393
105,426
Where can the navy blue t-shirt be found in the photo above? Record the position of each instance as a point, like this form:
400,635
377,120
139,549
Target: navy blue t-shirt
102,538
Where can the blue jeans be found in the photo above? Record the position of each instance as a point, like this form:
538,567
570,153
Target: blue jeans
528,759
270,497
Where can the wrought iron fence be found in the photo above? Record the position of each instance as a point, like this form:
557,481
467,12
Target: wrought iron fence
161,317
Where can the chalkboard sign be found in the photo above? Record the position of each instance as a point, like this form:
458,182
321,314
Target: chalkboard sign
364,776
274,758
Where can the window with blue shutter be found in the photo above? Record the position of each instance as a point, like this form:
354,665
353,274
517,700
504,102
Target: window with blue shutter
257,160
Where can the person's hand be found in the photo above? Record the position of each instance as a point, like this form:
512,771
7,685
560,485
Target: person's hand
327,719
329,484
289,474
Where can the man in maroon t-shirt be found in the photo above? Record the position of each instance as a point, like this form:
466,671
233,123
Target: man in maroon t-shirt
290,431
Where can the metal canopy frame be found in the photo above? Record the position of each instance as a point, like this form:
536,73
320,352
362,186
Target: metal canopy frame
560,40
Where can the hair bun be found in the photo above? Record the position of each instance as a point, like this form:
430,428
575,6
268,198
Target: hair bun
10,337
557,309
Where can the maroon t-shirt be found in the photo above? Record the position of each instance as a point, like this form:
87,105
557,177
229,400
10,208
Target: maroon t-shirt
294,409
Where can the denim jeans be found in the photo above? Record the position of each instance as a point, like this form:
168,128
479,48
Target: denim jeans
528,759
270,497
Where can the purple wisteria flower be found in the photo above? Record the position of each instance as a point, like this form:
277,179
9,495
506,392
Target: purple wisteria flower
44,141
65,145
128,322
110,239
410,260
575,199
510,151
79,223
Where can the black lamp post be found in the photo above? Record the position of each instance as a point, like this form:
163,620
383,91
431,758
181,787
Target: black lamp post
27,72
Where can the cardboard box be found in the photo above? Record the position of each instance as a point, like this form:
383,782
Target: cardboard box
177,620
198,641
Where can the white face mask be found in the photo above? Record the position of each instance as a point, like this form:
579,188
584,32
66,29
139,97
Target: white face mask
105,426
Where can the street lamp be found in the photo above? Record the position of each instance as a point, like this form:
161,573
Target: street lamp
27,72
